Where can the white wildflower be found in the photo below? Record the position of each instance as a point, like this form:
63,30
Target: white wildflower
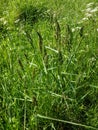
8,28
73,30
88,10
5,22
90,4
2,19
93,59
23,32
17,20
94,10
85,19
88,15
76,29
97,29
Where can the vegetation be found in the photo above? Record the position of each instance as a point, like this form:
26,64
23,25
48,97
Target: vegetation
49,65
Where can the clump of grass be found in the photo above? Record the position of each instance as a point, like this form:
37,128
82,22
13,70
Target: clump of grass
3,28
31,15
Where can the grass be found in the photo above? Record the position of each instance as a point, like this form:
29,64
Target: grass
48,65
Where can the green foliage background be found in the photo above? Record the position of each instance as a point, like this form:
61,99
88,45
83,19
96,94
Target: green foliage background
48,65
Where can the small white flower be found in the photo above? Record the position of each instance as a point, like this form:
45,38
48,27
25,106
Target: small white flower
94,10
23,32
8,28
78,28
73,30
93,59
17,20
85,19
88,9
88,15
5,22
97,29
2,19
90,4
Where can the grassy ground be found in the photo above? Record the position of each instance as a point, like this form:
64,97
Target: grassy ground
49,65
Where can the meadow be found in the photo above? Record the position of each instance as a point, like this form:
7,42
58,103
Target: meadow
49,65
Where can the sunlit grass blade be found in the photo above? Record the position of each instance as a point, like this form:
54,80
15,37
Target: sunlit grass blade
68,122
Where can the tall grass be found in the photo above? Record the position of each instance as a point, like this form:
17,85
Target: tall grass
48,65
